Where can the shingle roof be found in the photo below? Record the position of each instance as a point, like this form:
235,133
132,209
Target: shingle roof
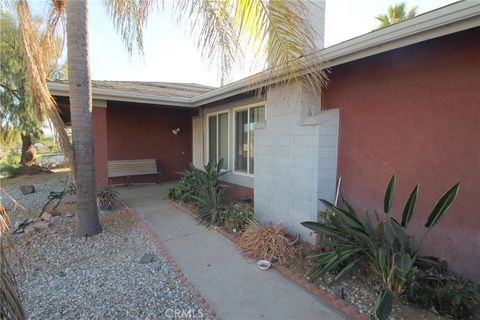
165,89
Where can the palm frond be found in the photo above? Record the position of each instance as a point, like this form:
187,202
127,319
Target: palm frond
280,31
211,25
130,18
11,306
396,13
384,21
412,13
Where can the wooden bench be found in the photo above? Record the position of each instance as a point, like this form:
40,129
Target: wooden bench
128,168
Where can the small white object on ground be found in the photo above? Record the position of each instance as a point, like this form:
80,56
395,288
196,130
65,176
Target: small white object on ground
263,264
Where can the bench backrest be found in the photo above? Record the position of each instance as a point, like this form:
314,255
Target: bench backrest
123,168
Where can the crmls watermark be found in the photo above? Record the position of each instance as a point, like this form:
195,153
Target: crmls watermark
184,314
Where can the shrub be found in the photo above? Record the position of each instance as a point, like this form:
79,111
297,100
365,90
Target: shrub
106,198
267,242
384,245
10,163
179,192
208,203
236,216
201,188
434,288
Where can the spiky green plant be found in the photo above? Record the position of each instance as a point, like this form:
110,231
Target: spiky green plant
384,245
201,187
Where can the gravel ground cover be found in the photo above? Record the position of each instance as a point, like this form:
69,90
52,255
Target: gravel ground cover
34,202
100,277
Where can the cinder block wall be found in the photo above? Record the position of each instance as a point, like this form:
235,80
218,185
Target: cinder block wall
295,160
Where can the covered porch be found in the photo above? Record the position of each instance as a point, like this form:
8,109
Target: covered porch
137,125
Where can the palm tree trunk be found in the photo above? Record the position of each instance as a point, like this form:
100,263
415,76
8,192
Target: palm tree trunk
27,157
80,90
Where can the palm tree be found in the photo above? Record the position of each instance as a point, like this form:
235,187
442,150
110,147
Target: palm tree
396,13
277,30
80,89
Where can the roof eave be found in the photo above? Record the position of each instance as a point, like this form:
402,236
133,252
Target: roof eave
454,18
61,89
447,20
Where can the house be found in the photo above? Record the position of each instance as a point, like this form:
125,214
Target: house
403,100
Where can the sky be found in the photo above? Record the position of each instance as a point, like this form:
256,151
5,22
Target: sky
170,54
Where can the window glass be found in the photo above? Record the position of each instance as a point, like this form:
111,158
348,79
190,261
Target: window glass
241,140
257,114
212,138
223,139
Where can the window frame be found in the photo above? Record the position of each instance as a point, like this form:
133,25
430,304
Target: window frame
207,129
234,149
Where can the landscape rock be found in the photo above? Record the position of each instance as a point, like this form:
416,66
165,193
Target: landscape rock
56,213
27,189
29,229
41,225
147,258
46,216
69,198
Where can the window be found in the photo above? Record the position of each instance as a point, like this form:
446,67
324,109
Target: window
218,138
245,121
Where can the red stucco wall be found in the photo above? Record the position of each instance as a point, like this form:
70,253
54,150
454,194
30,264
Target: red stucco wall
139,132
99,118
415,112
237,192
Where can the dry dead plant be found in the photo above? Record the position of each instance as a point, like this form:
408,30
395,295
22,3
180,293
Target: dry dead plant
11,306
267,242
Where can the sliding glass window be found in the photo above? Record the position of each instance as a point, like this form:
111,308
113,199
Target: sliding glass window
245,121
218,138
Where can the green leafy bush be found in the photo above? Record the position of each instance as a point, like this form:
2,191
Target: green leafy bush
384,245
201,188
447,294
236,216
10,163
179,192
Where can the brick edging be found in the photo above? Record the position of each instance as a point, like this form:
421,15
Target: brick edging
327,297
163,251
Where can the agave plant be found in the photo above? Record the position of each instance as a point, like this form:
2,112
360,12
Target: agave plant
204,191
384,245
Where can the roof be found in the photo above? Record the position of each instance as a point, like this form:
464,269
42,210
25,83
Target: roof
453,18
161,89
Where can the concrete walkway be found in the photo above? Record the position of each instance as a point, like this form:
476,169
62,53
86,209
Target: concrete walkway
233,286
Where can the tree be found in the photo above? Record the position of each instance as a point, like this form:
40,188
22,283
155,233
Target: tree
21,121
80,89
396,13
18,118
277,30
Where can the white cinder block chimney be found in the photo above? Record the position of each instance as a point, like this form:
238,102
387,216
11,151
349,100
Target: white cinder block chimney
317,19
